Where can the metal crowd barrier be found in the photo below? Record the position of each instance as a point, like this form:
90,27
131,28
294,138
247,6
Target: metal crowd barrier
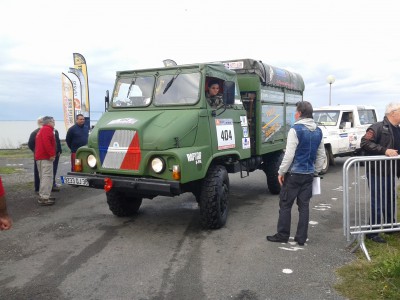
358,175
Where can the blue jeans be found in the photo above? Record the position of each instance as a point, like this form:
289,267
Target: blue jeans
383,198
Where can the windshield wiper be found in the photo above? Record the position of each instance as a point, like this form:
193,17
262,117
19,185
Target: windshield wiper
171,81
130,86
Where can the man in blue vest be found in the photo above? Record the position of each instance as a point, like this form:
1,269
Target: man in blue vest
303,158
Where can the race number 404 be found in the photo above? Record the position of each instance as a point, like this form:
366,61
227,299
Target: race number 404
225,133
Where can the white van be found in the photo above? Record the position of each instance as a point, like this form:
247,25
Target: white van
342,127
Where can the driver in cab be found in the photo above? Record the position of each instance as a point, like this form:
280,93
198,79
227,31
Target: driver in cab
213,96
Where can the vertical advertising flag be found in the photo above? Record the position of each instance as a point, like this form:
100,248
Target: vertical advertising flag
80,65
76,83
67,100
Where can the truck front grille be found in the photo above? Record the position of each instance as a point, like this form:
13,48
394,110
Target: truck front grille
119,149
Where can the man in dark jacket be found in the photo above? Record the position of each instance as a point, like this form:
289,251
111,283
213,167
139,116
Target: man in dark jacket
31,145
77,136
383,138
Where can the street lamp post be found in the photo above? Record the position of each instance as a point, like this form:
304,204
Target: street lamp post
330,79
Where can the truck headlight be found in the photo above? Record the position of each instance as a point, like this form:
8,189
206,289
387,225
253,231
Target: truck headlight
158,165
91,161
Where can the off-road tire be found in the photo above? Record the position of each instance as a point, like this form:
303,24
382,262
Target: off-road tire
214,198
272,163
122,204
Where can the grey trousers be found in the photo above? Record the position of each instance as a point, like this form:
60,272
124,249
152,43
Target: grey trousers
295,186
45,168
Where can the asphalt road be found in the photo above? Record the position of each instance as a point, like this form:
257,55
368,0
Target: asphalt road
77,249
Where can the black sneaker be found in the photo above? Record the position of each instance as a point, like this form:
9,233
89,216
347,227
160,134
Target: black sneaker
276,239
377,239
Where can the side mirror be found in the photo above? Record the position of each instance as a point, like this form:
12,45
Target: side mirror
106,100
229,92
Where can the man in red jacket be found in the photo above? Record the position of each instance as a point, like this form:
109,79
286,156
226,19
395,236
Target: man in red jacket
45,153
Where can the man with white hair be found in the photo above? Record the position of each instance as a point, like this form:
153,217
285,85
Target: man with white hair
383,138
45,153
31,145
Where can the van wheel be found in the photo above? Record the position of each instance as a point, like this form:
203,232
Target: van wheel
214,198
272,163
122,204
327,161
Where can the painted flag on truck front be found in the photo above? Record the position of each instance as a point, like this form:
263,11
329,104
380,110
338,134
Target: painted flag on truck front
67,100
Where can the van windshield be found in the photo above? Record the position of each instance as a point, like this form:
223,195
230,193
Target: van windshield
133,91
326,117
177,89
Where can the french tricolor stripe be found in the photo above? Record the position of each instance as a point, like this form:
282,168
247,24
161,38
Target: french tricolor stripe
119,149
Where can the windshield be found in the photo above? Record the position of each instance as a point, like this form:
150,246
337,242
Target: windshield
326,117
177,89
133,92
367,116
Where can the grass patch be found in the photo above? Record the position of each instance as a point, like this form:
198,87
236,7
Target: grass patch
378,279
9,170
17,153
25,152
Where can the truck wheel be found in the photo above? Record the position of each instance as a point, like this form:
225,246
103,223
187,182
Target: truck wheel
121,204
214,198
327,161
271,167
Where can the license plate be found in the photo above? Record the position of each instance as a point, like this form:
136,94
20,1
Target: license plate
76,181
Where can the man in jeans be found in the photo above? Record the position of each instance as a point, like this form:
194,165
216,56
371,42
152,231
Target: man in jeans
45,153
383,138
304,156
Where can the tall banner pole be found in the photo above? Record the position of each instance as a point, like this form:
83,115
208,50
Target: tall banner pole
80,64
67,100
76,83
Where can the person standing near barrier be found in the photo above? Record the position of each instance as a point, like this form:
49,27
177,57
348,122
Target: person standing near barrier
383,138
77,136
304,157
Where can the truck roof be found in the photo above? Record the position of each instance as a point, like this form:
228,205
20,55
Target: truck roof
213,69
269,75
344,107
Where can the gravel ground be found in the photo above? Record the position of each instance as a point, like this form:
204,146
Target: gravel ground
20,195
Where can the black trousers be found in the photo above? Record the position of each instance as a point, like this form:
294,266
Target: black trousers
36,173
295,186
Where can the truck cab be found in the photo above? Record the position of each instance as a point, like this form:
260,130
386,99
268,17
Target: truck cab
342,127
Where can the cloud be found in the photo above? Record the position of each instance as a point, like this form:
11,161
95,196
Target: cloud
352,40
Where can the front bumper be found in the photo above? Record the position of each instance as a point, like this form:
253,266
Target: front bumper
140,185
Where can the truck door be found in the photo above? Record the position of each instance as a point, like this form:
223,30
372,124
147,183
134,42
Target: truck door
348,135
228,123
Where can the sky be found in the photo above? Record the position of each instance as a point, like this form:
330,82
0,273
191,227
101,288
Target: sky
355,41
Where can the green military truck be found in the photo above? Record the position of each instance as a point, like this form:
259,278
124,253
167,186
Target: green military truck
160,136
